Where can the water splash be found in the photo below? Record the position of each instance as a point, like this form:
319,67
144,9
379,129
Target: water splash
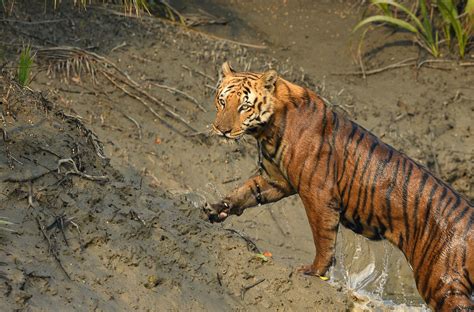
374,273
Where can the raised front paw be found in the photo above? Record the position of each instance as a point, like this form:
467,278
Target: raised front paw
220,211
217,212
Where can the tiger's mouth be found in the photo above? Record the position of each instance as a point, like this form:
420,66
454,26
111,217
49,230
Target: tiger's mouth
234,135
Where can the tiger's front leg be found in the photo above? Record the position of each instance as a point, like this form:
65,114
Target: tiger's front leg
323,218
257,190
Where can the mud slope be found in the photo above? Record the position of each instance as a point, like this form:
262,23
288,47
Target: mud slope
93,239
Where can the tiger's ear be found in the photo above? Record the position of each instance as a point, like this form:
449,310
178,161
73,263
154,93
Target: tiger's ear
269,79
227,70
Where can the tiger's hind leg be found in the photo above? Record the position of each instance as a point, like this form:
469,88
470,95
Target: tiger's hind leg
455,301
444,274
446,290
323,219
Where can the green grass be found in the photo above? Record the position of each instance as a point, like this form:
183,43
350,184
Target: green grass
431,25
135,6
24,66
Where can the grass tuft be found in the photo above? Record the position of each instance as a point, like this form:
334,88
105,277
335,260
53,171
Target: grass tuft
430,23
24,66
135,6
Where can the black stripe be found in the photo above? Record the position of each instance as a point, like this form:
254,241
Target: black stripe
434,242
346,150
294,101
461,215
381,228
307,99
380,169
362,135
457,203
406,182
318,153
419,194
388,195
334,131
281,132
426,222
364,170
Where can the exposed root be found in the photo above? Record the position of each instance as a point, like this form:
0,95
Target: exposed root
404,63
75,171
145,103
175,90
407,63
73,62
139,128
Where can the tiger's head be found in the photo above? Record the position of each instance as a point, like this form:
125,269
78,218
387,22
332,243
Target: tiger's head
244,102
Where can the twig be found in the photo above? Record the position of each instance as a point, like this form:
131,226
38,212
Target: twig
428,61
250,244
51,249
231,180
160,118
77,172
359,53
210,87
123,44
88,132
189,97
244,289
31,204
219,279
106,64
174,115
60,223
136,124
134,216
205,133
199,72
403,63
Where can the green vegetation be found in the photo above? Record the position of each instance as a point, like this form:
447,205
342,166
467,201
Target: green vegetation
136,6
24,66
431,24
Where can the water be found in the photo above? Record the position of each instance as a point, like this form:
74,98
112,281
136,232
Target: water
377,271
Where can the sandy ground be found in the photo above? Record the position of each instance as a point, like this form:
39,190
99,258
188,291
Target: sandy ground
134,237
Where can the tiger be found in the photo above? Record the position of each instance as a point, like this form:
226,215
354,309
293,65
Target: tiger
345,175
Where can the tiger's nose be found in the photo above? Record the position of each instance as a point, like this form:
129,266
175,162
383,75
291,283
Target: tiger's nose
220,131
